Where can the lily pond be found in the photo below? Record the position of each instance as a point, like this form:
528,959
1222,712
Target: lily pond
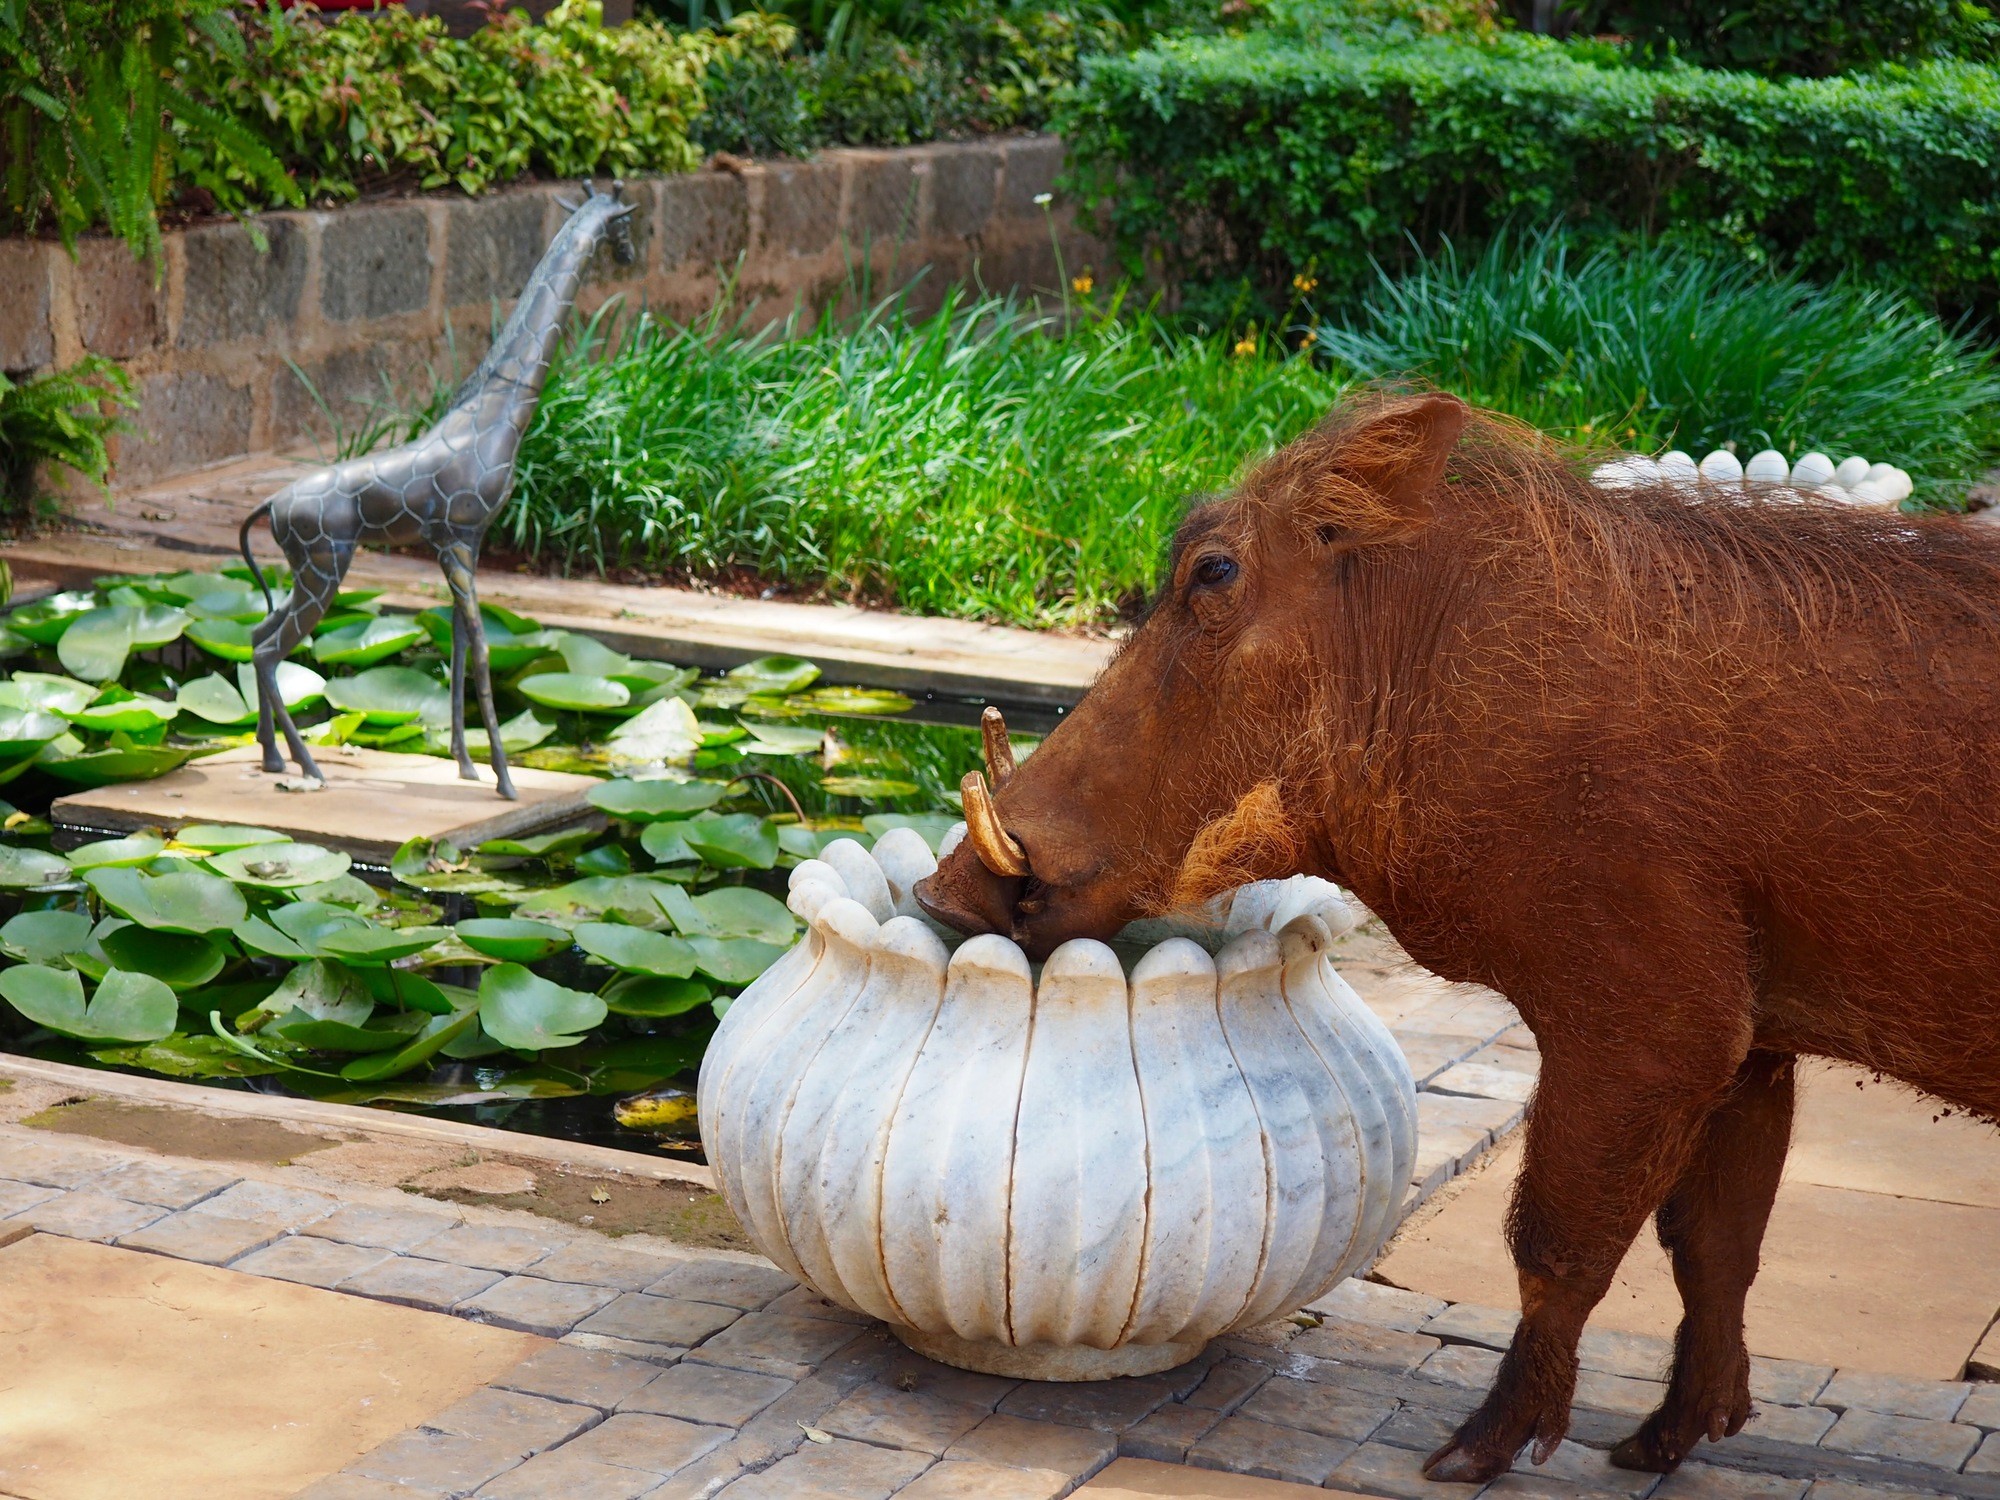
565,983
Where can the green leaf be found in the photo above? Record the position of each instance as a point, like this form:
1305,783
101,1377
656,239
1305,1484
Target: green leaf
774,674
733,960
783,739
542,844
737,841
45,692
24,869
392,695
186,901
379,945
43,937
404,990
128,712
366,642
226,638
663,733
187,1057
654,997
741,911
646,801
664,844
511,938
279,866
216,838
574,692
95,645
323,990
182,961
380,1034
299,686
24,731
44,621
521,1010
136,849
126,1007
109,767
873,787
636,950
868,702
588,657
215,699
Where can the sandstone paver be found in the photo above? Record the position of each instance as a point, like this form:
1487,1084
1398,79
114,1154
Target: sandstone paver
438,1462
729,1283
1897,1394
1637,1356
400,1229
659,1320
360,1487
1982,1407
1243,1445
1365,1344
602,1265
977,1481
1358,1301
1465,1323
88,1215
1619,1393
1325,1410
1423,1428
1803,1425
1591,1469
166,1183
1014,1443
493,1247
1108,1405
1791,1382
1919,1440
883,1415
531,1423
266,1201
803,1302
704,1393
209,1238
562,1475
416,1282
16,1196
550,1308
839,1470
53,1162
311,1262
1699,1481
908,1370
772,1344
587,1377
1987,1459
1380,1469
1463,1364
1228,1385
1167,1434
656,1445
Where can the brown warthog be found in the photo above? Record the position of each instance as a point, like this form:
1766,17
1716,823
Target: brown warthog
1699,782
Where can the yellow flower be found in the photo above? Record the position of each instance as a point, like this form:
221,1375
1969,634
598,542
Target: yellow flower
1304,284
1081,285
1306,339
1247,345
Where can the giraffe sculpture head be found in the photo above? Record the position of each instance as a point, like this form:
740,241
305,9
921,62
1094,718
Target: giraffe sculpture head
615,215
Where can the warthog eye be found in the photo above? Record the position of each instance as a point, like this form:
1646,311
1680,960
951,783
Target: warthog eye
1214,572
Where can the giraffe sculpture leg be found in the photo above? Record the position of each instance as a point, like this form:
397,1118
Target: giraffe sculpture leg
469,647
315,581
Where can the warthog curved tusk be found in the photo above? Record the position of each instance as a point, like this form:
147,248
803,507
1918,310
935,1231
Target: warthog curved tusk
997,849
999,754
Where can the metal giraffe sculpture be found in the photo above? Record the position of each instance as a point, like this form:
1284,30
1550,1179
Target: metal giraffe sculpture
443,488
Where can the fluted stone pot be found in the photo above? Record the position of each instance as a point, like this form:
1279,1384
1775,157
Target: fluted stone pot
1085,1173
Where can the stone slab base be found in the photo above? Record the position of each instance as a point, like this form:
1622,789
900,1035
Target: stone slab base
1049,1361
374,801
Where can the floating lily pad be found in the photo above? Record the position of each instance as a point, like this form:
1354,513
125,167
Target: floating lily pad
129,712
298,685
738,841
420,1049
108,767
636,950
379,945
125,1007
774,674
511,641
280,866
215,699
226,638
664,844
325,991
44,621
596,896
392,695
662,733
783,739
873,787
367,641
867,702
520,1009
654,997
574,692
646,801
216,838
135,849
541,845
179,960
741,911
96,643
23,732
187,1057
25,869
588,657
44,937
512,939
46,692
380,1034
733,961
186,901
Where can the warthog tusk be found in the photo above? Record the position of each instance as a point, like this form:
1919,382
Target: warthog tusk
999,754
996,848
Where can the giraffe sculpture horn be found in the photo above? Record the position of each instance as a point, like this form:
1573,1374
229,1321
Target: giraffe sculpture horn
993,739
997,849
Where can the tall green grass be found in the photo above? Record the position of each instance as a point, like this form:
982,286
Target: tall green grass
984,461
1656,346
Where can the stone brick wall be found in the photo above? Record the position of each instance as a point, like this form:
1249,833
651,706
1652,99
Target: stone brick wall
375,300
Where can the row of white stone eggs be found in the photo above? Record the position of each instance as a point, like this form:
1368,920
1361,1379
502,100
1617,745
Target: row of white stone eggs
1854,479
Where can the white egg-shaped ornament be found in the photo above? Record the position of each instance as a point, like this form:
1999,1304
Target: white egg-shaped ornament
1812,470
1082,1174
1892,481
1634,472
1768,467
1872,495
1722,467
1851,471
1679,468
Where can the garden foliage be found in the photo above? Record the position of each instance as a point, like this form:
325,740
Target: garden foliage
1814,37
63,417
1269,156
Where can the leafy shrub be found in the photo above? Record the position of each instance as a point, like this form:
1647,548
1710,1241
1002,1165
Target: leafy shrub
64,418
1267,157
1662,347
1816,37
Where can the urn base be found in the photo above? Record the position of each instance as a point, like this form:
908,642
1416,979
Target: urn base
1048,1361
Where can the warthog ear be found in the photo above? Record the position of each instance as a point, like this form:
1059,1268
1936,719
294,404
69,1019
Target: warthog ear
1385,469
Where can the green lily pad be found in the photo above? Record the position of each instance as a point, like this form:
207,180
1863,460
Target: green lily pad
215,699
392,695
45,692
187,1057
741,911
664,844
323,990
95,645
511,641
44,937
733,961
280,866
380,1034
366,642
574,692
774,674
135,849
931,827
44,621
25,869
783,739
662,733
217,838
186,901
226,638
437,1032
130,712
403,989
867,702
125,1008
519,1009
646,801
180,960
636,950
379,945
633,1063
873,787
109,767
653,996
737,841
24,731
299,686
802,842
540,845
512,939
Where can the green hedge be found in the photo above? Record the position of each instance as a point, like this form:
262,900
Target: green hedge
1270,157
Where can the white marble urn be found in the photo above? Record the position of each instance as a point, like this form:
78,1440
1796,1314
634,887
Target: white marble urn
1066,1176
